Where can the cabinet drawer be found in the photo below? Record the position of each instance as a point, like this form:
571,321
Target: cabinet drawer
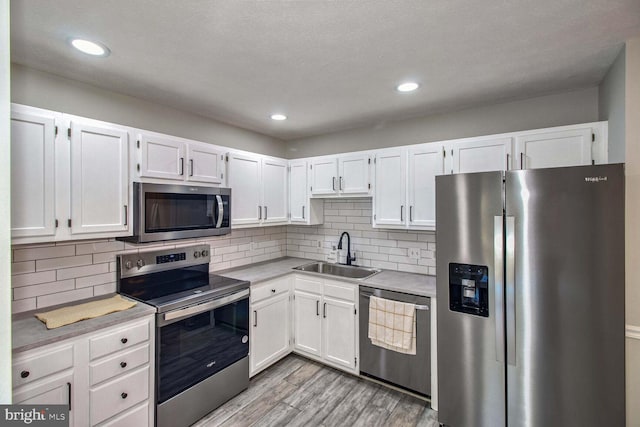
340,290
34,366
118,364
118,395
138,417
308,284
119,340
265,290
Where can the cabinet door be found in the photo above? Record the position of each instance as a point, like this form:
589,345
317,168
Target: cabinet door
339,344
307,320
32,174
54,390
162,157
482,156
325,176
424,164
205,163
269,331
99,178
389,192
274,191
354,174
554,149
245,182
298,196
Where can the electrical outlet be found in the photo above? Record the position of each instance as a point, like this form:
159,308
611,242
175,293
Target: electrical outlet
254,246
414,253
319,243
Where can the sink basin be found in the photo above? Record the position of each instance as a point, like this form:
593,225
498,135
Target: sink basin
348,271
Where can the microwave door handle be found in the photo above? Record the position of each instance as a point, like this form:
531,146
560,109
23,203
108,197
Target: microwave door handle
220,211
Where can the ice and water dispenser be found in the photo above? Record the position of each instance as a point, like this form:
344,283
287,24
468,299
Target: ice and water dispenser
469,289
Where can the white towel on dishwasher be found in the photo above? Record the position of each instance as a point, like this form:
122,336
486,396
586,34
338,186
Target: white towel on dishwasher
392,325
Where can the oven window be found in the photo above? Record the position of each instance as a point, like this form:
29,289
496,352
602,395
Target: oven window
175,212
195,348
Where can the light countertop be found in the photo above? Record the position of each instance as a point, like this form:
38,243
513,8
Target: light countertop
410,283
29,332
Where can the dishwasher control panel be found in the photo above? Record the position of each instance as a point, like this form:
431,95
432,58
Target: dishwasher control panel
469,289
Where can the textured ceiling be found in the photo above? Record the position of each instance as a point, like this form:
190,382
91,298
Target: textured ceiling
328,65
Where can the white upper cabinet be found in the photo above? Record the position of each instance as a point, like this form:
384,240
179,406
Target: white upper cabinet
425,163
99,177
345,174
244,177
70,177
389,201
549,148
166,157
482,155
302,208
274,190
259,193
33,135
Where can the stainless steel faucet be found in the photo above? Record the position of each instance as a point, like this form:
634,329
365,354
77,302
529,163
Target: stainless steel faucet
349,258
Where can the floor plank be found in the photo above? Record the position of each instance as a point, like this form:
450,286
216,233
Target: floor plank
300,392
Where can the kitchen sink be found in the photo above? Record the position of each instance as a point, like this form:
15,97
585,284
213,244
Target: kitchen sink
349,271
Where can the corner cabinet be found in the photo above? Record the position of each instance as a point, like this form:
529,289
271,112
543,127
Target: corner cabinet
167,157
259,190
325,321
343,175
270,330
105,377
70,177
303,209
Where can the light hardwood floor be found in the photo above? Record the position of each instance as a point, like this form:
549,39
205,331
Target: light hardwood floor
300,392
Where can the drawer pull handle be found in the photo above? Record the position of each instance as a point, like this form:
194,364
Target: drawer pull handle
123,364
124,395
124,340
24,374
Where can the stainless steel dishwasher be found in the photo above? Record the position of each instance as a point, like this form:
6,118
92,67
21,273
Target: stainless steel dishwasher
412,372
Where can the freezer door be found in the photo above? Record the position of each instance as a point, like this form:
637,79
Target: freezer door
565,297
471,371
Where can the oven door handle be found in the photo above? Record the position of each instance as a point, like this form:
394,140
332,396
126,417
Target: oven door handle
207,306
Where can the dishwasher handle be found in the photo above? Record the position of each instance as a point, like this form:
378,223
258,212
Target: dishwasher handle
419,307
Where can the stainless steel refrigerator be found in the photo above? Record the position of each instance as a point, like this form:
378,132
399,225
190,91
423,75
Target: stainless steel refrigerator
530,283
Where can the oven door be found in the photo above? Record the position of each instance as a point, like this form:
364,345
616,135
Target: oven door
167,212
195,342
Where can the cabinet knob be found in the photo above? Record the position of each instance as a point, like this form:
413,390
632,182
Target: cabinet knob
24,374
273,290
123,340
124,395
123,364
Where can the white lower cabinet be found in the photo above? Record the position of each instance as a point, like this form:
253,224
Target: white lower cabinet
270,330
111,387
325,321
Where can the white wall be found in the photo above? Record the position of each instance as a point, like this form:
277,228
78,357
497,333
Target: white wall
611,107
632,229
5,211
568,108
44,90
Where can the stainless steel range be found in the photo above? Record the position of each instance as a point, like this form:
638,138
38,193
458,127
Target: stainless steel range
202,330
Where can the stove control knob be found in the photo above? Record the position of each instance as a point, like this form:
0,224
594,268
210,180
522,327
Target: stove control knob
140,263
128,264
205,252
196,254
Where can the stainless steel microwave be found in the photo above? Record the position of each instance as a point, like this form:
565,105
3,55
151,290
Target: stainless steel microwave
170,212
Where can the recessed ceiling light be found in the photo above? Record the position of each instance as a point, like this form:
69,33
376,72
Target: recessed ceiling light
90,48
278,117
407,87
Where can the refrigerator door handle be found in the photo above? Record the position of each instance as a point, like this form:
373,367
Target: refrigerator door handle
498,279
510,259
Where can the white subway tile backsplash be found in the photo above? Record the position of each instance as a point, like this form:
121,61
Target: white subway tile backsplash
77,270
55,263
